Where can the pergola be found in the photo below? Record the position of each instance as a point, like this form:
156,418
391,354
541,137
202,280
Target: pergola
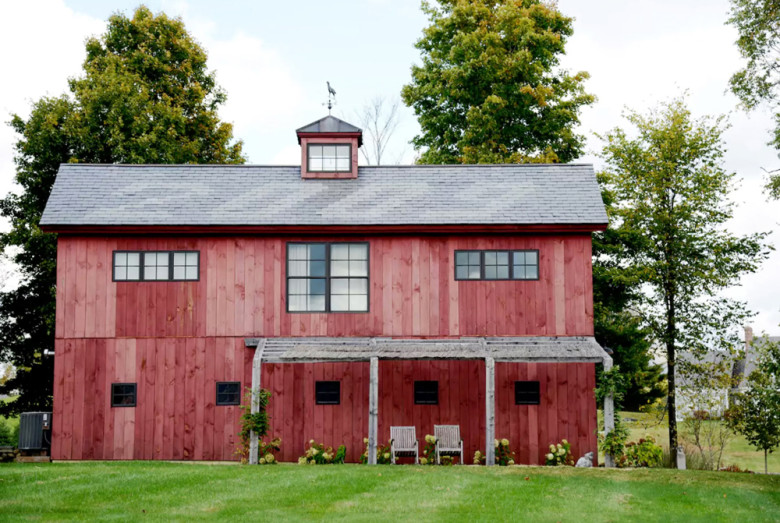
570,349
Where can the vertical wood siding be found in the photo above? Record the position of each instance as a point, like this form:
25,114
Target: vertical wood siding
176,417
242,291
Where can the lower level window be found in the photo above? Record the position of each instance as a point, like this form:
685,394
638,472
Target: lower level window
228,392
328,392
426,392
123,394
526,393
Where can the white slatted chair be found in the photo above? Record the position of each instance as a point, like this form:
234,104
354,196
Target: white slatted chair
403,443
448,442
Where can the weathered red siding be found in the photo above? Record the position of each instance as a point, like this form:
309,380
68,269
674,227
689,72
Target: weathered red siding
241,291
176,417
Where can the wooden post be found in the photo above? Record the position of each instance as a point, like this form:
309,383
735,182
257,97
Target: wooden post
373,410
609,414
490,411
255,407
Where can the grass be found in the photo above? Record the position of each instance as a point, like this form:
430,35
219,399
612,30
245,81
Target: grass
737,452
175,491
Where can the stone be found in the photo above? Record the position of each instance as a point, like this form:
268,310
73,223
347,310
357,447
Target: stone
585,461
680,458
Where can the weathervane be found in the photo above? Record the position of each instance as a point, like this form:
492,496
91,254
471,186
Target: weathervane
331,97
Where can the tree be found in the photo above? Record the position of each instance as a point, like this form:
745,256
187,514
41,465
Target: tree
756,411
758,25
616,322
671,194
379,119
146,96
490,90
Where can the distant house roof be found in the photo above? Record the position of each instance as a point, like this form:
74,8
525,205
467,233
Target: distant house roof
531,349
246,195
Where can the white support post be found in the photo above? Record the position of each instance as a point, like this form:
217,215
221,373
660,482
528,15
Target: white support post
373,409
255,407
609,414
490,408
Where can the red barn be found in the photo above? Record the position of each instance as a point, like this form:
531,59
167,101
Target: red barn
362,297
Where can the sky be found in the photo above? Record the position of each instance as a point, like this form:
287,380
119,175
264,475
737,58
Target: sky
273,59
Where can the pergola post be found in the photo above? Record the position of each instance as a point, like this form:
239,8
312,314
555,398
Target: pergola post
490,411
609,414
255,406
373,409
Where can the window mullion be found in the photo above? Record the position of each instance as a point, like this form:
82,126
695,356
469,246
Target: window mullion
327,277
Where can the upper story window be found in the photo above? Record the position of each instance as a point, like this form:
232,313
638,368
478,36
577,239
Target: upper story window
327,277
156,265
497,265
330,158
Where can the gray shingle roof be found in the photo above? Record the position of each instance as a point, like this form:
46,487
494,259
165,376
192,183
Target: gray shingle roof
540,348
202,195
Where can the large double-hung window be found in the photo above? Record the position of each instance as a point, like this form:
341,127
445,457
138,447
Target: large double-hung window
327,277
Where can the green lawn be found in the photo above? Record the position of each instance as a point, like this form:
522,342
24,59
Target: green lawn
175,491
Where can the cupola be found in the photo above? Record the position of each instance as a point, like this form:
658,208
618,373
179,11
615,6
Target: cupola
329,149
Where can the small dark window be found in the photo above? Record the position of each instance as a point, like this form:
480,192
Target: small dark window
328,392
497,265
123,394
526,393
228,392
426,392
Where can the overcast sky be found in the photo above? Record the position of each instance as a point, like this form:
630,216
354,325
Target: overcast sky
273,59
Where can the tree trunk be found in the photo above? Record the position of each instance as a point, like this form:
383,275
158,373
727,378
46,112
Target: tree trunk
766,467
670,376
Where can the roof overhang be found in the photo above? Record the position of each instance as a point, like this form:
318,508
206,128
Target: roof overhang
501,349
574,228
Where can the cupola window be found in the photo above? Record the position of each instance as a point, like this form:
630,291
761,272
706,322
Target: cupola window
330,158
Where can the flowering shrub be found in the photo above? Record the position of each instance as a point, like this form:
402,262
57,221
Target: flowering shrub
560,454
643,454
429,451
266,451
504,456
319,454
382,454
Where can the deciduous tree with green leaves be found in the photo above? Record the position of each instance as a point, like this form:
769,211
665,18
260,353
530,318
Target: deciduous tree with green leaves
758,24
671,195
490,89
146,96
756,412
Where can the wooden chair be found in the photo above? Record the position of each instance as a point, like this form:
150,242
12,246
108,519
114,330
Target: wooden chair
448,442
403,443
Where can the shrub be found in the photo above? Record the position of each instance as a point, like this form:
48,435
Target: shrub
504,456
560,454
319,454
257,422
429,451
645,453
382,454
736,468
7,434
266,451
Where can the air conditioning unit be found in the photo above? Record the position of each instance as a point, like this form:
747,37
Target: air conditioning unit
35,431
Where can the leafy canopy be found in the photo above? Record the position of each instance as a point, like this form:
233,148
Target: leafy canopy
146,96
671,198
758,25
489,89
